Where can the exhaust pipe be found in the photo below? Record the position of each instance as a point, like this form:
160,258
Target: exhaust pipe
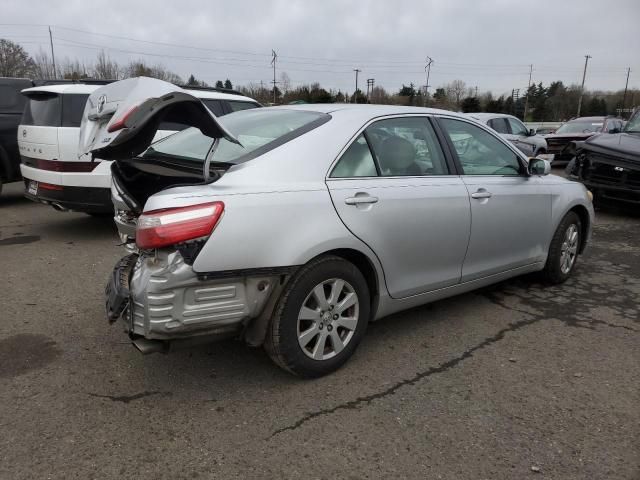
146,346
58,207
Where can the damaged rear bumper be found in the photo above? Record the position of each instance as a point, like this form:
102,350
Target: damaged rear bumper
161,299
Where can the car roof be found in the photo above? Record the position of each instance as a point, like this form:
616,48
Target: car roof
482,116
365,109
67,88
212,94
588,119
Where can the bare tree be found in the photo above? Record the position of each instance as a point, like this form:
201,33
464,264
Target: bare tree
285,82
73,69
105,68
14,60
379,95
44,66
455,91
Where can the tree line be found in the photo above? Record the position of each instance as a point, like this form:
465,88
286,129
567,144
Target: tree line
555,102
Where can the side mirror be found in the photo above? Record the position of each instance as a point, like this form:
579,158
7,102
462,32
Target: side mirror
539,166
532,132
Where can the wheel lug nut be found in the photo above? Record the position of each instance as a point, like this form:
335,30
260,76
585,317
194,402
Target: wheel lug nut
330,307
335,317
329,327
320,326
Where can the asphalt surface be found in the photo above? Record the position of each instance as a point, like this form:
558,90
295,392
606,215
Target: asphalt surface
517,380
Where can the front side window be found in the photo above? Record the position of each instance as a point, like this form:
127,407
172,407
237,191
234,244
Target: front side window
479,152
215,106
406,146
633,125
357,161
42,110
517,127
499,125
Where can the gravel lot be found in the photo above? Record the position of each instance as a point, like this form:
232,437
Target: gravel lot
514,381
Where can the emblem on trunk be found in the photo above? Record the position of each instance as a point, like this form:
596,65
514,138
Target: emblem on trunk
101,101
618,169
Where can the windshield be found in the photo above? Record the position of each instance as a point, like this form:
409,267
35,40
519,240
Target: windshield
580,126
259,130
633,125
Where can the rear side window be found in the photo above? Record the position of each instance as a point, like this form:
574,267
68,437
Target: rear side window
499,125
72,108
42,110
237,106
357,161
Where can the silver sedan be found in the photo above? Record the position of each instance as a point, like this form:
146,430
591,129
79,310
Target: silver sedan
294,227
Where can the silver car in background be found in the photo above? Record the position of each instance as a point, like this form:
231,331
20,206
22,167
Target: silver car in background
294,227
526,140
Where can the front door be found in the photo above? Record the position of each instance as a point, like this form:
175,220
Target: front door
510,210
394,190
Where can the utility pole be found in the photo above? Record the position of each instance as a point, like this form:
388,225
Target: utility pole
355,95
526,100
427,70
53,57
476,95
370,83
624,97
273,62
584,74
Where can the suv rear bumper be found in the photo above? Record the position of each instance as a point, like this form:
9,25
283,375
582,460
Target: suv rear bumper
78,199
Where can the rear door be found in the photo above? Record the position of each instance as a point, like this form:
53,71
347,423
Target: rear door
394,189
510,210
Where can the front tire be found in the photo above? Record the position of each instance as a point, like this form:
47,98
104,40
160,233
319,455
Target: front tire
320,318
563,252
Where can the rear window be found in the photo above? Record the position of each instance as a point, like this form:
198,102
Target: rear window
11,100
72,108
581,126
42,110
258,130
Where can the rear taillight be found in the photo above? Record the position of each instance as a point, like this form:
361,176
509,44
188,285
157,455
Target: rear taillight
120,123
162,228
59,166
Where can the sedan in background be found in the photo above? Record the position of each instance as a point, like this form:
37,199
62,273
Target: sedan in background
293,227
511,128
578,129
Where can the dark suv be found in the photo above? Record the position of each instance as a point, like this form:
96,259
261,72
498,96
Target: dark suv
609,165
11,105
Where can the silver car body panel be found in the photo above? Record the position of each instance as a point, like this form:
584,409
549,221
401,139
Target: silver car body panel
281,210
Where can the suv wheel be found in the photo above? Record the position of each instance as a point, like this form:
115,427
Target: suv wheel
320,319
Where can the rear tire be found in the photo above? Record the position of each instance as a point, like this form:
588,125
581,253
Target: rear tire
320,318
563,251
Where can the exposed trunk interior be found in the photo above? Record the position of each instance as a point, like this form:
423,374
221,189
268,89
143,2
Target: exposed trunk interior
138,178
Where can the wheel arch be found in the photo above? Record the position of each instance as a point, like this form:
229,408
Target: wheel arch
585,225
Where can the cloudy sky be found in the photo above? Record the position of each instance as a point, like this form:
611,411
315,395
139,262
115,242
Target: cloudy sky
488,44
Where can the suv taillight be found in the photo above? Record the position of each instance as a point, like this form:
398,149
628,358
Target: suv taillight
162,228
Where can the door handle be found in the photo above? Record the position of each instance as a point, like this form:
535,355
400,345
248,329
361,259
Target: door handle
481,194
360,200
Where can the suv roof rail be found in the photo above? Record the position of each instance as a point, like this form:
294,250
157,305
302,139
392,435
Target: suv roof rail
211,89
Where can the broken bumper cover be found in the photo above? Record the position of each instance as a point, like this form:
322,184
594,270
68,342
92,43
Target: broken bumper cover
160,297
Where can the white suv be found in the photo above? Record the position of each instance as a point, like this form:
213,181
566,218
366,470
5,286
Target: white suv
53,171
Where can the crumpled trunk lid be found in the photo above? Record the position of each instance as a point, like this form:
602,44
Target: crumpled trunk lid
121,118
